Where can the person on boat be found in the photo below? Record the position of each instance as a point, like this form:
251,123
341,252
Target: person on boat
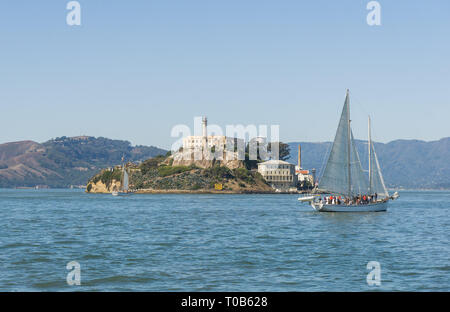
376,197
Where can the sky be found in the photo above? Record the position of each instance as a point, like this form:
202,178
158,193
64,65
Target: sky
135,69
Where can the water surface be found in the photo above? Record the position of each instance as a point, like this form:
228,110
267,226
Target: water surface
219,243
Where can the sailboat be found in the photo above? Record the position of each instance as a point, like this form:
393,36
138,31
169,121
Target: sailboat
125,184
344,178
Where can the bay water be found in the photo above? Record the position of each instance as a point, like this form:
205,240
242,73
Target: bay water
194,242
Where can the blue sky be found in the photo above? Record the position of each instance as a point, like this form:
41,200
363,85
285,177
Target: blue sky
134,69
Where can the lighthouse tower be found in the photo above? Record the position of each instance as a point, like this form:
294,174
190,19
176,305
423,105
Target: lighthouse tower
204,131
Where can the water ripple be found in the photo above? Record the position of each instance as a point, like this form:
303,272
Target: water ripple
219,243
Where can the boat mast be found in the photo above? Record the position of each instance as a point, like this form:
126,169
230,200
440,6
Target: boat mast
370,159
123,173
348,146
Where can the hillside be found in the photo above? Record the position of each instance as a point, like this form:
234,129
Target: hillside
405,163
64,161
160,175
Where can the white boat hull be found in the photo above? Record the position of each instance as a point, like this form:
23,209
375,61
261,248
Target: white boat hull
115,193
374,207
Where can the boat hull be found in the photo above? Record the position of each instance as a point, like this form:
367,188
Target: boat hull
121,193
376,207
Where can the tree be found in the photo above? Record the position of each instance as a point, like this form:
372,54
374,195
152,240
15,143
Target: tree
304,185
284,150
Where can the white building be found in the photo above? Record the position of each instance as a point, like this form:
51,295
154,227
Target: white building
220,141
279,174
197,142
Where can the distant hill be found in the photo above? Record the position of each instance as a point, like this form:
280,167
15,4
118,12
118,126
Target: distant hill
65,161
68,161
405,163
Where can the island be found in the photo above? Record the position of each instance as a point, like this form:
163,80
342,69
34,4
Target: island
169,174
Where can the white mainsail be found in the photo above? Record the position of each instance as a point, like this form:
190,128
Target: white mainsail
359,180
343,173
125,180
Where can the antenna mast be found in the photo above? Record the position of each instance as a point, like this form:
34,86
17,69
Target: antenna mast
347,99
370,158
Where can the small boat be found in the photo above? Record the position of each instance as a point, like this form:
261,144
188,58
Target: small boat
344,179
124,189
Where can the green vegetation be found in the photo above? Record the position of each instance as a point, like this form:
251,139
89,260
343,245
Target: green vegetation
151,164
107,177
244,175
89,187
219,173
100,152
250,164
304,185
66,161
159,174
164,171
284,154
283,148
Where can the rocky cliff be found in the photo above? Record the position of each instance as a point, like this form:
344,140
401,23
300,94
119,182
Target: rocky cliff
188,158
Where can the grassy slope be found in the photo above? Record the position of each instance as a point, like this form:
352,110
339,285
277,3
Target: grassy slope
155,175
